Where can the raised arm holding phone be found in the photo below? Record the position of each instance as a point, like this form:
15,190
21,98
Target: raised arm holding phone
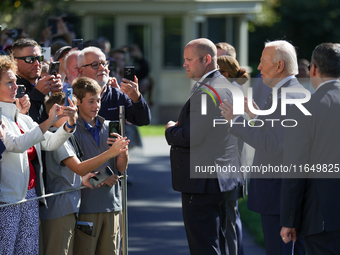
21,166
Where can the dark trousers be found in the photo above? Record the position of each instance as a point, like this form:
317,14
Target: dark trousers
325,243
205,224
273,241
234,229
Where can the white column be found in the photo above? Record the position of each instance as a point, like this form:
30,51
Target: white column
242,40
229,30
88,27
189,29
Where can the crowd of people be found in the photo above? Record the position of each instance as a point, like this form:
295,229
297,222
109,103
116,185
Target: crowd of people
298,209
48,146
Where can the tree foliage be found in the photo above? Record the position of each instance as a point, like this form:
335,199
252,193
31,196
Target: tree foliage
31,15
305,23
14,6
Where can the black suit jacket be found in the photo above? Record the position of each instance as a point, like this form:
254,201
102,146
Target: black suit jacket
196,143
310,203
264,193
37,110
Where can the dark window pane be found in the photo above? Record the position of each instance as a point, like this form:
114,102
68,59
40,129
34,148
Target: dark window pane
105,27
172,42
216,29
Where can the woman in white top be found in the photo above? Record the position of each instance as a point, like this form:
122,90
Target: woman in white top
21,166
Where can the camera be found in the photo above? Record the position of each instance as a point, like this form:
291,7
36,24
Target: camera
114,128
100,177
129,73
69,94
20,91
54,68
77,43
14,33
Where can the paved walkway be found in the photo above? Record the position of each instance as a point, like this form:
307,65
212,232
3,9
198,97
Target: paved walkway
154,208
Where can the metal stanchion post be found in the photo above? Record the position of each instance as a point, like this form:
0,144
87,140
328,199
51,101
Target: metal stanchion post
124,188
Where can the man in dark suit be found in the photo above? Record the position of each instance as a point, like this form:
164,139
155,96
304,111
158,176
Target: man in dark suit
310,203
196,145
278,65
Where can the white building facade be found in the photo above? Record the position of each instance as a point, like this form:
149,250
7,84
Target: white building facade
162,28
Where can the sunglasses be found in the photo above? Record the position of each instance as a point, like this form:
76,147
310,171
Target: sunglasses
96,64
31,59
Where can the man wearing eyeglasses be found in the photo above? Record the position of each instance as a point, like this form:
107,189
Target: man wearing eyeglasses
27,53
92,64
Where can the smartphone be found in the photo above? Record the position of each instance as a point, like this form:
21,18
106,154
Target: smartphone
46,52
69,94
20,91
54,26
100,177
85,227
15,33
114,128
54,68
77,43
129,73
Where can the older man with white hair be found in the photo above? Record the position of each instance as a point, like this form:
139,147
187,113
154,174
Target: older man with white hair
71,67
92,63
278,66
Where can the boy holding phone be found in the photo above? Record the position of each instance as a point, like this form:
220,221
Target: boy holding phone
99,207
65,171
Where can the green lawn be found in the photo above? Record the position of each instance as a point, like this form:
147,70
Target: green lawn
152,130
251,221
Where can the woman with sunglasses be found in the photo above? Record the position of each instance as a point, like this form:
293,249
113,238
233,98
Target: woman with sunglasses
21,166
230,69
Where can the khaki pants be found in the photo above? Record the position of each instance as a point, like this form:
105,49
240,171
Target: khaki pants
57,235
105,234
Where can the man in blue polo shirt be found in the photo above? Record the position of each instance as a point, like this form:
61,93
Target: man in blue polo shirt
92,64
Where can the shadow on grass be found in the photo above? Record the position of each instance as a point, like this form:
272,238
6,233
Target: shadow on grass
252,221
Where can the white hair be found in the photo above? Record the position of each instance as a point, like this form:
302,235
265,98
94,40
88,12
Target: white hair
73,52
286,52
91,49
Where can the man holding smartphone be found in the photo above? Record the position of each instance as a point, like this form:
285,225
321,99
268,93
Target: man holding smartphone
27,53
92,64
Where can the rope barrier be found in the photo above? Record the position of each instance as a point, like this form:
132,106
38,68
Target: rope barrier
43,196
48,195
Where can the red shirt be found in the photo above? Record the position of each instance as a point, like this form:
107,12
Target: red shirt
32,153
